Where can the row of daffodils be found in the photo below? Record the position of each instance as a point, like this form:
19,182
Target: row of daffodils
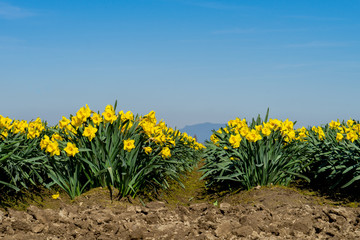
115,150
266,152
133,153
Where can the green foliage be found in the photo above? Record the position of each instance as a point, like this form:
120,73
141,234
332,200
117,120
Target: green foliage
271,160
335,164
21,162
104,161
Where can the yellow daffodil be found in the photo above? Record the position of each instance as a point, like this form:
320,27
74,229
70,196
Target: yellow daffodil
321,133
258,128
333,124
31,134
147,150
71,149
56,136
244,131
165,153
126,116
290,136
96,118
83,113
253,136
350,122
56,195
4,134
151,117
44,142
352,136
63,122
129,144
235,140
339,137
69,128
53,148
214,139
109,115
90,132
76,121
266,131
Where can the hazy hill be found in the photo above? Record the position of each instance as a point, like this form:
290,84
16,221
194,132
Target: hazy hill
201,130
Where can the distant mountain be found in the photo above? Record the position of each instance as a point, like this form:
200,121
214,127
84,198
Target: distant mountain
201,130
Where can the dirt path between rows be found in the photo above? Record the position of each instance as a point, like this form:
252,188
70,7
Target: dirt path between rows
264,213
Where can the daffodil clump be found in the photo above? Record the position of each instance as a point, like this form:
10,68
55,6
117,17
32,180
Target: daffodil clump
273,152
349,130
259,153
32,129
160,135
238,130
335,154
120,150
22,161
91,149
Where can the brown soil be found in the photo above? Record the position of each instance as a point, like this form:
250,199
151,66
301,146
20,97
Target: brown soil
190,213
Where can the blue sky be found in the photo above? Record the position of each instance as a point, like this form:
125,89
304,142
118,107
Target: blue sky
190,61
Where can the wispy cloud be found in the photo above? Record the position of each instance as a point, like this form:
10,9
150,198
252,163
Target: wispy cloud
8,11
314,18
256,30
317,44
